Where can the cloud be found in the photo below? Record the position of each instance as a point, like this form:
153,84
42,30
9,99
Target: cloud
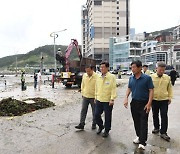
154,15
27,24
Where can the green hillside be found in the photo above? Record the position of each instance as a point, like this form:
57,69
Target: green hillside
33,57
161,31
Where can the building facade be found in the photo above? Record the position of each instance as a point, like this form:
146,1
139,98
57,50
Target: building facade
176,33
176,49
102,19
122,52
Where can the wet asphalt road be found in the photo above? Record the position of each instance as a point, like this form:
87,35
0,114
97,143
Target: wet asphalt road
51,131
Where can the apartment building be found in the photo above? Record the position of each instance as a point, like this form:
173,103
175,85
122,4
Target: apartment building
102,19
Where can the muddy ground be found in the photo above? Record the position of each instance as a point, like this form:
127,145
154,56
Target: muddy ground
51,130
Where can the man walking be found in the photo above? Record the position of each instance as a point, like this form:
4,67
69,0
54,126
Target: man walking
23,80
35,80
105,94
173,75
161,100
141,87
39,79
145,70
88,94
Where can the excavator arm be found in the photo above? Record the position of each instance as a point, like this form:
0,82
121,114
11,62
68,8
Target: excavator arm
64,60
73,43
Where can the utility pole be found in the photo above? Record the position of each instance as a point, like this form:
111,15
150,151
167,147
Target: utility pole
55,35
16,65
127,19
16,52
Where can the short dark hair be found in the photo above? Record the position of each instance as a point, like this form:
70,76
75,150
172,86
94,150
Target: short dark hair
105,63
89,66
138,63
145,65
161,64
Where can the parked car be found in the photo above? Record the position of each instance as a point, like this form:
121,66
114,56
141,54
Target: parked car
129,73
124,72
114,72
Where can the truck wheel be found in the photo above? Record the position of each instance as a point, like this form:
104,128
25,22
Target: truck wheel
68,85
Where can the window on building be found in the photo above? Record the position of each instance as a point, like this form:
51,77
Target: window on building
131,52
106,35
138,52
117,12
117,7
117,28
98,2
107,29
117,2
161,57
117,23
178,55
149,49
117,18
177,67
106,56
117,34
98,56
113,34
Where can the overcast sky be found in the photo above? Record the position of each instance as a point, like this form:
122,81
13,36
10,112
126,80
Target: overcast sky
27,24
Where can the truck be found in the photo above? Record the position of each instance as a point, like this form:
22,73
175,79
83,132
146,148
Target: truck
72,70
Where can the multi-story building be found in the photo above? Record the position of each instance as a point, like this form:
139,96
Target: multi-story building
102,19
122,52
176,49
176,57
153,53
176,33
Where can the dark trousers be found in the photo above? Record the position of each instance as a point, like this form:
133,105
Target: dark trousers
161,106
22,85
100,107
140,118
35,84
85,104
173,81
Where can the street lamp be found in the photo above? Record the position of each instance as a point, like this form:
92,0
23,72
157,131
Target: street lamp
55,35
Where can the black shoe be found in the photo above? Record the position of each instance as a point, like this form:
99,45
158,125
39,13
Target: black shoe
105,134
79,127
155,131
93,126
165,137
100,130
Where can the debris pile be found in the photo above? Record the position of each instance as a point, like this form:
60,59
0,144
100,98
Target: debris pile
13,107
